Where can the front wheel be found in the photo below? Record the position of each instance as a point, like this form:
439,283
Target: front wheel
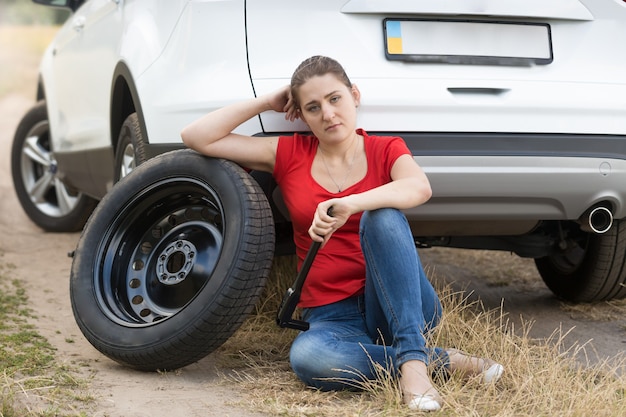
594,269
172,261
43,196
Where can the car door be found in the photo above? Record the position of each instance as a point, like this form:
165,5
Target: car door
84,58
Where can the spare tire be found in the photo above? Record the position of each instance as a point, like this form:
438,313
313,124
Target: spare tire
172,261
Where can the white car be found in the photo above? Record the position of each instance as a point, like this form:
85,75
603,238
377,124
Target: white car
516,110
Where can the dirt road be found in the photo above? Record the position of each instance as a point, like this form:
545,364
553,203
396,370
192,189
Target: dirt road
600,328
199,390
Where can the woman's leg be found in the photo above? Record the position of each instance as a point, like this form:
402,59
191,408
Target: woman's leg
401,304
337,352
347,338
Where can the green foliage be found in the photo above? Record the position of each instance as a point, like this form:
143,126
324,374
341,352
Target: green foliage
22,349
24,12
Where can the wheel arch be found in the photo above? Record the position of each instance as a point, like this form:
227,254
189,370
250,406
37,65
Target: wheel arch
124,102
41,91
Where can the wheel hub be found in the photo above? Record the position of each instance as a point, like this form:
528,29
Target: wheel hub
175,262
53,168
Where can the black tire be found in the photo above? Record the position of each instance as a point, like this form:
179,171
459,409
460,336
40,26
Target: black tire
172,261
44,198
130,151
594,270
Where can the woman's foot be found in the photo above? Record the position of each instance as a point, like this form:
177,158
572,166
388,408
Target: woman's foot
417,390
470,366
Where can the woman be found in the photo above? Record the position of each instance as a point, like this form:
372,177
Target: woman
366,297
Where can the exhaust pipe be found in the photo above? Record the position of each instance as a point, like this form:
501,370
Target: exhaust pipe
596,220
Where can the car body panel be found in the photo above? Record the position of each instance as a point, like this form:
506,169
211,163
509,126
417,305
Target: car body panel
184,58
554,9
544,188
582,91
206,68
80,120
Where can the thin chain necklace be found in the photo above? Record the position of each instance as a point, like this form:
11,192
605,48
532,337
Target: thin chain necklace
340,186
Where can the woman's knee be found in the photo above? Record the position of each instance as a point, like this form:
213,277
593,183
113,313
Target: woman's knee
309,360
382,219
319,362
385,223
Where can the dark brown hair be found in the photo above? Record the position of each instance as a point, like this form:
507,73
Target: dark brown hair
313,67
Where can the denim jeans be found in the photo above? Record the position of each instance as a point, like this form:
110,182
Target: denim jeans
385,326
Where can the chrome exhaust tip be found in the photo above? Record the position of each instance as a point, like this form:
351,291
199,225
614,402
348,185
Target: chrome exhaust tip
596,220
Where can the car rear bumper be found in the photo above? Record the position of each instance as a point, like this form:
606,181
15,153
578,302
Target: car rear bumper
520,187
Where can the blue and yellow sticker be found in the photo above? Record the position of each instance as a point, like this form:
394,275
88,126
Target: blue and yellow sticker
394,37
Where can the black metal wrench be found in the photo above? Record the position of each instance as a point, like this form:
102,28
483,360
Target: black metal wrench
292,296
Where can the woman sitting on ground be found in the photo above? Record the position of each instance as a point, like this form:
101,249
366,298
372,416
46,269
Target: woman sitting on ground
367,298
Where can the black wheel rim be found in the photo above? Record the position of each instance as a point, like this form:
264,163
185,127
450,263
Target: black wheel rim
159,252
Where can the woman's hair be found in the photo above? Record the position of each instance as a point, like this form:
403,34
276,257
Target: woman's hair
313,67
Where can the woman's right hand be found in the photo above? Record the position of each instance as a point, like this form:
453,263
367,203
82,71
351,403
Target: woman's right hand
329,216
281,101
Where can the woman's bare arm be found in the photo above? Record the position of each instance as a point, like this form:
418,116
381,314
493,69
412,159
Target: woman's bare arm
212,134
409,188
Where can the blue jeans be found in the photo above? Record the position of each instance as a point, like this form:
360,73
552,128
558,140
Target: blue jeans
385,326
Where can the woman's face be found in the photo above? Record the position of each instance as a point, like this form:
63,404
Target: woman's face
328,106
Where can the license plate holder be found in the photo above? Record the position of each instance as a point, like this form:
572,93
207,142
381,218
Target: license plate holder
473,42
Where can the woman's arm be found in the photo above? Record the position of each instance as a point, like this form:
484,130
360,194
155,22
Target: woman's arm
212,134
409,188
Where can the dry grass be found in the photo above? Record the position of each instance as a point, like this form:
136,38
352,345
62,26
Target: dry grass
542,377
501,269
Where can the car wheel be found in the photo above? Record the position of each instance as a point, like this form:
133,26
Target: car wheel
593,270
131,148
43,196
172,261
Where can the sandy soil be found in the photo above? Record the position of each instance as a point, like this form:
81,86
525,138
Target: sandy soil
43,266
201,389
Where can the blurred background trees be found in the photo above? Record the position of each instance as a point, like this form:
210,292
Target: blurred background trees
25,12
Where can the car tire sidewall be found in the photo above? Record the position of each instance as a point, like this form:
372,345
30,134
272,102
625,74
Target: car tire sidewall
600,273
118,341
130,134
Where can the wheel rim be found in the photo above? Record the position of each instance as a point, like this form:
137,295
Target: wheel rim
39,174
128,160
159,252
568,261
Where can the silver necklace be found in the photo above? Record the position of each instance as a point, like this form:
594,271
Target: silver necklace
339,186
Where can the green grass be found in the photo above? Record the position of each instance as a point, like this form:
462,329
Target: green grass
32,382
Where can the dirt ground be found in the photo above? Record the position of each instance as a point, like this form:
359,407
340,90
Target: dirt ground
43,266
201,389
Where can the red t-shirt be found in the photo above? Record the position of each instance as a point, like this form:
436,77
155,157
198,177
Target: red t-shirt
338,271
